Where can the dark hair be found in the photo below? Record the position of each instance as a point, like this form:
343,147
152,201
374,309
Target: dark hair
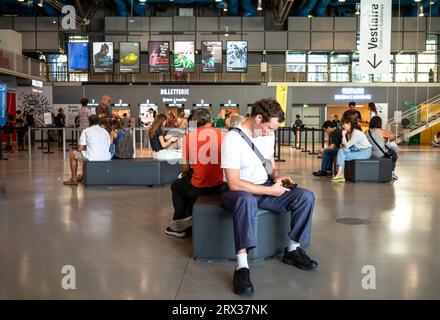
353,122
157,124
201,115
372,107
352,103
375,122
124,115
328,124
60,110
84,102
18,112
298,116
116,124
93,120
268,108
438,134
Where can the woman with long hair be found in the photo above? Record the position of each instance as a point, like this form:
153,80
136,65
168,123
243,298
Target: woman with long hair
156,135
182,123
355,146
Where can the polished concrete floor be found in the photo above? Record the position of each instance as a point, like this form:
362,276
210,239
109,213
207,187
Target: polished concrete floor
114,238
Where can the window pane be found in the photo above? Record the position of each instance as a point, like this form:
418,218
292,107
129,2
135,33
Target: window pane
405,77
313,58
427,58
405,58
339,58
425,67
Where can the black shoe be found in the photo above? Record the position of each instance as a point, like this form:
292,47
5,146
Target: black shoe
242,282
320,173
299,259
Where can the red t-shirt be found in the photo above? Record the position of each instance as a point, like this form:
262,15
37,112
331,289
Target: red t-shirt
202,150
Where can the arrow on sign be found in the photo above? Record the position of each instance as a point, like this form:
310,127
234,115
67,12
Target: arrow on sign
374,65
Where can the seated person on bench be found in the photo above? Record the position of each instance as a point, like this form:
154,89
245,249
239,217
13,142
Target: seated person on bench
253,185
201,151
157,139
93,145
436,140
122,140
334,143
355,146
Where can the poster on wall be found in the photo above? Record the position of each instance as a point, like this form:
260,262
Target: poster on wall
103,57
129,57
212,56
159,56
236,56
78,56
184,60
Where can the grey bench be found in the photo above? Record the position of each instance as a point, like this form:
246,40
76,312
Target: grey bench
370,170
130,172
213,235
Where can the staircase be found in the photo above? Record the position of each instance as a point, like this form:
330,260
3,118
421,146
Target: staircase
416,120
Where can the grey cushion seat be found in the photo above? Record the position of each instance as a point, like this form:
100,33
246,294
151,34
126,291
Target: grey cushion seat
370,170
213,234
130,172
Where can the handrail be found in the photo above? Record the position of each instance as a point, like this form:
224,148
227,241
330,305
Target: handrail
410,112
20,64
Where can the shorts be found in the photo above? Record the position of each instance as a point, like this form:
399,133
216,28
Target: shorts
78,155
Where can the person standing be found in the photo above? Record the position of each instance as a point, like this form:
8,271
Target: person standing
103,113
337,122
19,124
9,130
252,185
60,122
352,113
30,123
125,121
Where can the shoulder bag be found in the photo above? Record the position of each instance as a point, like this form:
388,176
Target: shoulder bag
390,154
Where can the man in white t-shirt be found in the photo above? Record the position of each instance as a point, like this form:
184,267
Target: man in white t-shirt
250,188
94,145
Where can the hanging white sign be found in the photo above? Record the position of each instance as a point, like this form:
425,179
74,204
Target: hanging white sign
375,37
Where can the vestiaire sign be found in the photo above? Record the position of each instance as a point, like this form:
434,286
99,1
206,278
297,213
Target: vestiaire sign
375,37
3,95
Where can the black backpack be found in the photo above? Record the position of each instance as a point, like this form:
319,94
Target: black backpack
124,145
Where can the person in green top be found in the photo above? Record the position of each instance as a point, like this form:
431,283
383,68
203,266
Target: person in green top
182,61
329,153
220,122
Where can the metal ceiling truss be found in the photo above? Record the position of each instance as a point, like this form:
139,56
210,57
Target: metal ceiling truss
281,10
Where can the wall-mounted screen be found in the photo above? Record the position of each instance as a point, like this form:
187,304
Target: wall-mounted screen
184,56
78,56
212,56
159,56
236,56
129,57
102,57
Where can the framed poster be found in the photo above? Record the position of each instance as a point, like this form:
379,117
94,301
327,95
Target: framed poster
236,56
78,56
129,57
184,59
103,57
212,56
159,56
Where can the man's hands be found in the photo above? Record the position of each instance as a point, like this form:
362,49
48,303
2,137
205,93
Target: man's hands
277,189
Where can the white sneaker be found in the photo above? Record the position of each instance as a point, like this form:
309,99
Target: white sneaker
393,175
182,224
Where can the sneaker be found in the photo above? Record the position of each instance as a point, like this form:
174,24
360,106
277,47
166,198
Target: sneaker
320,173
181,224
393,175
338,179
178,234
241,283
299,259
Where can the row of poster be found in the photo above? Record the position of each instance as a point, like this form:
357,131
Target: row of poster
158,56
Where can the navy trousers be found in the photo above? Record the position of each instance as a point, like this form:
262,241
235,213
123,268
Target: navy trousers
244,206
327,159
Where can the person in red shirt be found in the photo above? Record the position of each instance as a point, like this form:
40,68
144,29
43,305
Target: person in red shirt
201,171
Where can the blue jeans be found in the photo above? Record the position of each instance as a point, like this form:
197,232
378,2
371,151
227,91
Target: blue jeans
327,159
244,206
352,154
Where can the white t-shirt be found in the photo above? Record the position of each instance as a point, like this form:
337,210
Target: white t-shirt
97,141
147,119
372,114
237,154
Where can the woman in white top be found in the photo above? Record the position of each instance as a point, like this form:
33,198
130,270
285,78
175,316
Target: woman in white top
436,141
355,146
372,109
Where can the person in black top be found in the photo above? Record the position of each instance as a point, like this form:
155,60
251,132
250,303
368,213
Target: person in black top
156,134
19,124
60,122
30,122
352,112
329,153
298,123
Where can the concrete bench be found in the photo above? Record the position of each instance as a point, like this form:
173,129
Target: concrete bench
370,170
130,172
213,235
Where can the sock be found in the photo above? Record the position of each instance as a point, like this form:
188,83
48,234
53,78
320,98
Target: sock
292,245
242,261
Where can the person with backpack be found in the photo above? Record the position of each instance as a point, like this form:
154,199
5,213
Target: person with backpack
122,141
60,122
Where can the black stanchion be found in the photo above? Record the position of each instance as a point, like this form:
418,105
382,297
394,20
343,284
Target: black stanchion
278,158
313,151
305,140
295,138
322,142
48,143
299,134
290,136
42,140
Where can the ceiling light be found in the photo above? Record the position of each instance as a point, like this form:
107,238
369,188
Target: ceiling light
310,16
54,21
143,1
40,4
358,9
341,0
260,5
417,0
20,0
421,13
226,31
218,0
225,8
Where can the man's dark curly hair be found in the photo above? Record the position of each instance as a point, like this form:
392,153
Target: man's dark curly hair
268,108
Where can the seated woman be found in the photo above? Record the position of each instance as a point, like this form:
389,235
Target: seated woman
157,139
436,141
379,140
355,146
122,140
